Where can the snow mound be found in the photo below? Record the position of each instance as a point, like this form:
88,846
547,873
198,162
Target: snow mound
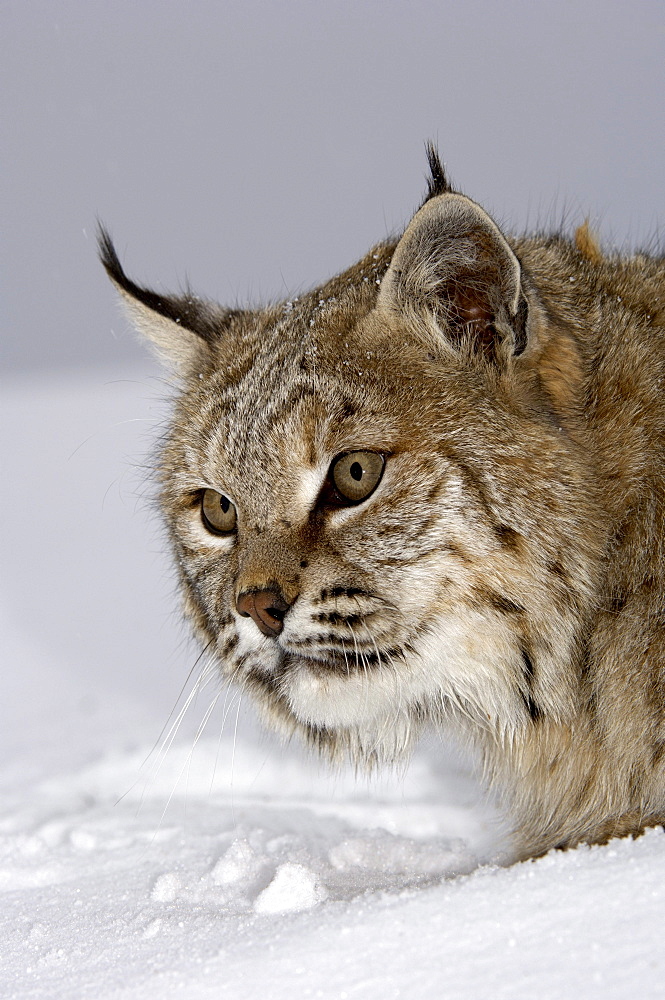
294,887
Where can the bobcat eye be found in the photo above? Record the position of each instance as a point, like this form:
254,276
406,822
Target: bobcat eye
357,474
217,512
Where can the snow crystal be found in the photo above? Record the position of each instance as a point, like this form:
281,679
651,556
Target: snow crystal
153,928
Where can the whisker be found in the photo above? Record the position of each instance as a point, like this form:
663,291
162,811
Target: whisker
188,760
165,739
346,660
201,682
219,741
233,761
180,694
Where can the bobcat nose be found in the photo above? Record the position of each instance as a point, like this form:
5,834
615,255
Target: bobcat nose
266,607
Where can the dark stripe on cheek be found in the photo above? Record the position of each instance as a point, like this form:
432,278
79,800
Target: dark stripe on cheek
584,658
528,666
454,550
473,484
657,753
534,710
557,569
508,537
498,602
505,605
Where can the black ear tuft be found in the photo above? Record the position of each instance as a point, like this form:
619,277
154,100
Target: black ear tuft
186,310
437,182
109,257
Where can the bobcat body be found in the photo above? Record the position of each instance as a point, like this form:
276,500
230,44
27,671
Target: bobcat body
432,491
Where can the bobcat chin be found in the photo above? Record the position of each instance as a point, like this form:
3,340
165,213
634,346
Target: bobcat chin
432,490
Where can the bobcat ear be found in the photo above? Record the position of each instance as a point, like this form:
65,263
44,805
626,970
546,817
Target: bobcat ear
454,263
182,328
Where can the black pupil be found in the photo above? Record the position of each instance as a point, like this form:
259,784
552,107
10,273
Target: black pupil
224,503
356,471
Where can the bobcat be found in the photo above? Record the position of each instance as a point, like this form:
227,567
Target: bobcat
433,490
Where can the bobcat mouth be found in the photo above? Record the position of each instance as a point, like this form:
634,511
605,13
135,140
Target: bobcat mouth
325,663
345,664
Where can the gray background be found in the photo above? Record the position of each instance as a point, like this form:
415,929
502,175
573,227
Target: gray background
254,148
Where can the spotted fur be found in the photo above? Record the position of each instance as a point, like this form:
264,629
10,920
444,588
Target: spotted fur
505,579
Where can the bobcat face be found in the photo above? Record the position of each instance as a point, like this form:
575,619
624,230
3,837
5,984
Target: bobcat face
355,617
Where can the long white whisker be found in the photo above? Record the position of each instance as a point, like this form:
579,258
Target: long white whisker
205,675
187,763
233,760
219,741
197,661
165,739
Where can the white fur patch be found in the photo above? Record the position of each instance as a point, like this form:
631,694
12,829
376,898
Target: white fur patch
340,701
310,482
466,661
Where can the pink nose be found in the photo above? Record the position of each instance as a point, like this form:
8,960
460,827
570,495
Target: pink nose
266,607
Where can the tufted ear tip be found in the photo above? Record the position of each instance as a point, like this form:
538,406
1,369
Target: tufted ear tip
108,255
181,328
438,181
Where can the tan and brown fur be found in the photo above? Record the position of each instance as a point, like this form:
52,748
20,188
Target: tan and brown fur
506,577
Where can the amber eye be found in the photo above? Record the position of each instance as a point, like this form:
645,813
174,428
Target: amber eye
357,474
218,513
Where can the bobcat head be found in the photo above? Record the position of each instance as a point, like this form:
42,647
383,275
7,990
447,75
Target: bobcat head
378,505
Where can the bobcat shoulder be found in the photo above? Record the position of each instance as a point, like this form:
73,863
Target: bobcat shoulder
432,490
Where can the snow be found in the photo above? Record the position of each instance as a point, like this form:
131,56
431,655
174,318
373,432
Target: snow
219,863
